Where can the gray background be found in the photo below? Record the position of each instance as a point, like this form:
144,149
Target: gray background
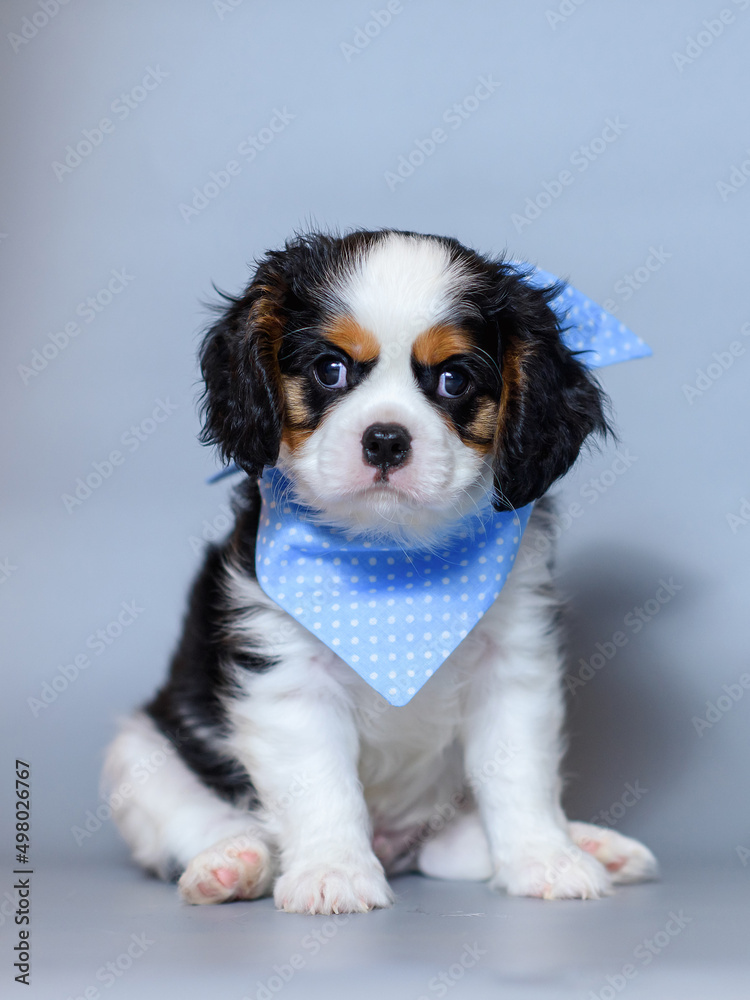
226,73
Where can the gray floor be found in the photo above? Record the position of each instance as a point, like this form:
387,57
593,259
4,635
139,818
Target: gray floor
86,917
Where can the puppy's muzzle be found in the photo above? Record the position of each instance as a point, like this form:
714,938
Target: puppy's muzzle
386,446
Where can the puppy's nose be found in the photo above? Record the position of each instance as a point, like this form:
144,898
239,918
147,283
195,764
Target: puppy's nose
386,446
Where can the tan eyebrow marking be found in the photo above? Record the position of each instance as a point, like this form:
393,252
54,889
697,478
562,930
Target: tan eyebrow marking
358,342
441,342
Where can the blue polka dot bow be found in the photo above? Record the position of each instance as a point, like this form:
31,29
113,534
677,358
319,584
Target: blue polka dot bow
395,616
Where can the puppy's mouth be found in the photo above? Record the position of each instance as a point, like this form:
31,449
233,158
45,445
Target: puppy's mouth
383,489
382,478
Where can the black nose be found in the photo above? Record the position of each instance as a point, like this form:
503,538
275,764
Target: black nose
386,446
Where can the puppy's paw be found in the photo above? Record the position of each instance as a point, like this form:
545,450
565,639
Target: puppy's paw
334,888
626,860
236,868
554,872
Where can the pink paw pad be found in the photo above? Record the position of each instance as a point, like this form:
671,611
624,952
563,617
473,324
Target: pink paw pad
590,846
615,866
226,876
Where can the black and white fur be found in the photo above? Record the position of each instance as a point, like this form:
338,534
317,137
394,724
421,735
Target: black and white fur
281,771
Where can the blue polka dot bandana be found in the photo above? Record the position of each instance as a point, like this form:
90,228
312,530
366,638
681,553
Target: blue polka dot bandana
395,616
587,328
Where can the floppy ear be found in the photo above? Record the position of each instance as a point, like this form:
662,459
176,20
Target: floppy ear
549,402
242,403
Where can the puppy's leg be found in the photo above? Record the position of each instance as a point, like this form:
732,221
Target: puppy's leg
460,851
297,738
172,821
512,753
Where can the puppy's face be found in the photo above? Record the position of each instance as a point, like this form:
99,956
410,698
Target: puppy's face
399,380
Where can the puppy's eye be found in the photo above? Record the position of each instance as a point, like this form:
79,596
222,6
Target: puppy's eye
330,372
453,382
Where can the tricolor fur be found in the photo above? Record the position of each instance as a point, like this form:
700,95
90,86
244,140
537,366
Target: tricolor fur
400,381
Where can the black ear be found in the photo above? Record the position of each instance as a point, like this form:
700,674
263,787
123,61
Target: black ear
549,402
242,403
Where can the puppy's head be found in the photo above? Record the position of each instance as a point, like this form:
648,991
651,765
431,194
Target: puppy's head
397,379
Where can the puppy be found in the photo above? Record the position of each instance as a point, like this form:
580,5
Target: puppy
398,384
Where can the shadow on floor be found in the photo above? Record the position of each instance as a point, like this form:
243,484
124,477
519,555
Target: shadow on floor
628,716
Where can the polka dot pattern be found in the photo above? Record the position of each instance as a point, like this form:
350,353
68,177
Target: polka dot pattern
589,328
383,622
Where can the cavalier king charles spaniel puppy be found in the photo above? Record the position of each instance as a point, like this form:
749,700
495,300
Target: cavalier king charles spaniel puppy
399,382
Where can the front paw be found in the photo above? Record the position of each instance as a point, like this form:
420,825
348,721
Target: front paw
236,868
554,872
333,888
627,860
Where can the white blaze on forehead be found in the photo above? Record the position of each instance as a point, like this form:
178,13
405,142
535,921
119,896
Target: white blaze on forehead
397,289
400,287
